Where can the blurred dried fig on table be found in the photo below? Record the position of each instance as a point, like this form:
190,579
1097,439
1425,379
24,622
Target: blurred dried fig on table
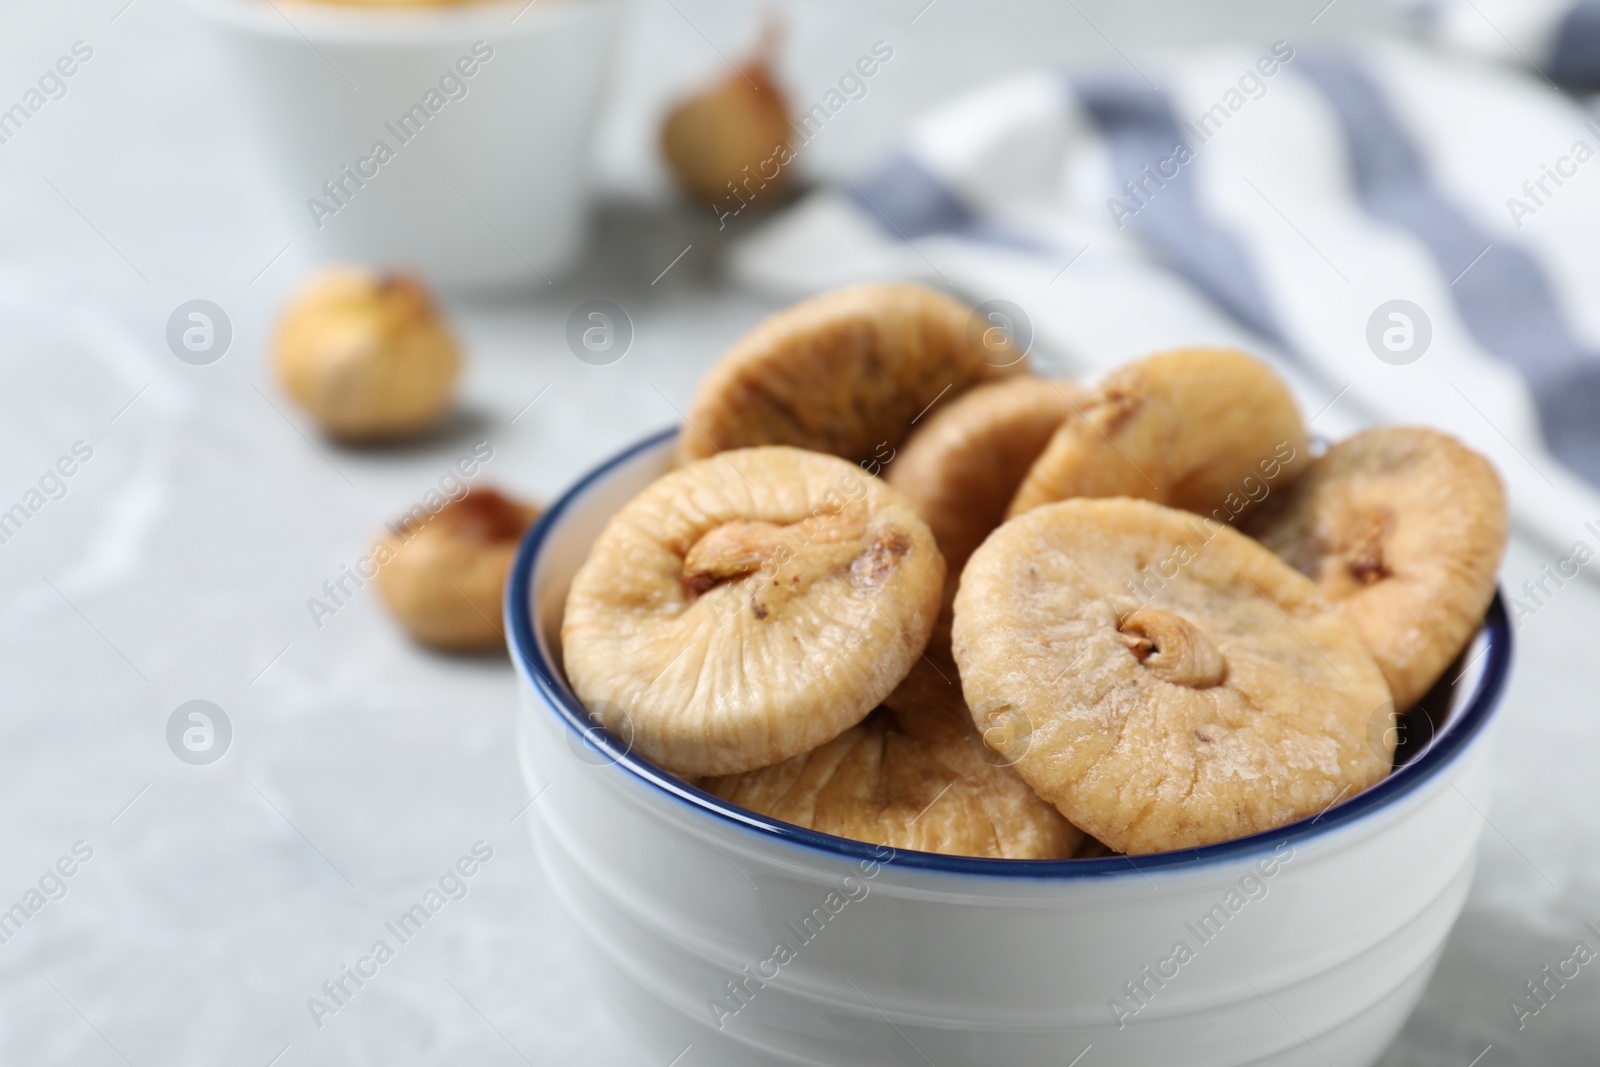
443,575
367,355
729,143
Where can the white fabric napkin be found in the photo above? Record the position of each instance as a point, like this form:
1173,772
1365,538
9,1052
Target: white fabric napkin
1558,38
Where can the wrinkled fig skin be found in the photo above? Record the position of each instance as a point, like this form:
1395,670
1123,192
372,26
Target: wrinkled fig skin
966,458
1229,699
919,781
367,355
444,578
730,143
1203,429
929,705
844,373
750,607
1405,527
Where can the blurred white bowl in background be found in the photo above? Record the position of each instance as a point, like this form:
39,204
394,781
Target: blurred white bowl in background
454,140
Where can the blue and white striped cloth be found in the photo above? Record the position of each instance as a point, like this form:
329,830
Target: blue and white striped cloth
1280,202
1558,38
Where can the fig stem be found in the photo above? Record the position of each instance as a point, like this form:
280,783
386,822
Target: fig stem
1173,648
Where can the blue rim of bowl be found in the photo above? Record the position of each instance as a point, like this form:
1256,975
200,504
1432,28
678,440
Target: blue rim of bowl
1464,726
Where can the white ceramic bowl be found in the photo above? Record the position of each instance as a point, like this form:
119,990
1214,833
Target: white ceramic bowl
756,942
487,185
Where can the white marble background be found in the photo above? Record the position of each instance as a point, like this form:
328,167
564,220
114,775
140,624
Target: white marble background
178,564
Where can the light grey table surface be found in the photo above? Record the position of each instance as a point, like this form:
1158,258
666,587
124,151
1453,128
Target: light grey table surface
179,562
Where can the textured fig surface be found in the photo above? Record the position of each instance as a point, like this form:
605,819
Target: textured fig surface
845,373
1405,527
1209,430
1164,680
750,607
964,462
918,780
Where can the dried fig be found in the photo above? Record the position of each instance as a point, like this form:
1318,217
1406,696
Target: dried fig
917,781
750,607
1405,527
963,465
367,355
730,143
845,373
443,574
1208,430
1229,697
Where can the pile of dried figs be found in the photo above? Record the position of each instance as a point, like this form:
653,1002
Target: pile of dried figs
901,590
